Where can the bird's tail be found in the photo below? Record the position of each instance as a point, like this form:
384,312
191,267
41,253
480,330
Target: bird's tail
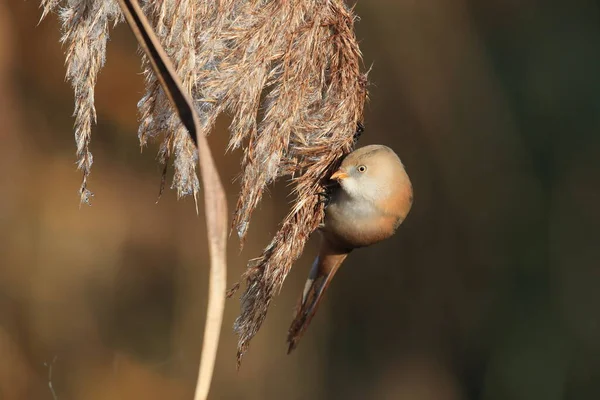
324,268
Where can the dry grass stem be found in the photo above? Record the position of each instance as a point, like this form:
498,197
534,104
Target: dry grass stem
215,206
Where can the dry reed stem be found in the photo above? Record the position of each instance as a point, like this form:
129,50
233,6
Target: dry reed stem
215,206
289,74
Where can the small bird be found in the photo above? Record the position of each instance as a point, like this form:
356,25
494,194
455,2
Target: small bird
372,199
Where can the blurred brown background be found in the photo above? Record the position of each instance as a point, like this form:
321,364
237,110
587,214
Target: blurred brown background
488,291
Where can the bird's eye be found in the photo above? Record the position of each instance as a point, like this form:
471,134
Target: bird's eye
361,168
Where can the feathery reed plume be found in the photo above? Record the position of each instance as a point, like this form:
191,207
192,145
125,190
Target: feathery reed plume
312,111
289,74
85,31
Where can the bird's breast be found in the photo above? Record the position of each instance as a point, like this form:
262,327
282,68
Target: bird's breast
354,224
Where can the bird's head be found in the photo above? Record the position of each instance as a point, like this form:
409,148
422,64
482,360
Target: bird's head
371,172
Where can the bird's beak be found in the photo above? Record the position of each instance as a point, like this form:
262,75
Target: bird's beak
339,175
